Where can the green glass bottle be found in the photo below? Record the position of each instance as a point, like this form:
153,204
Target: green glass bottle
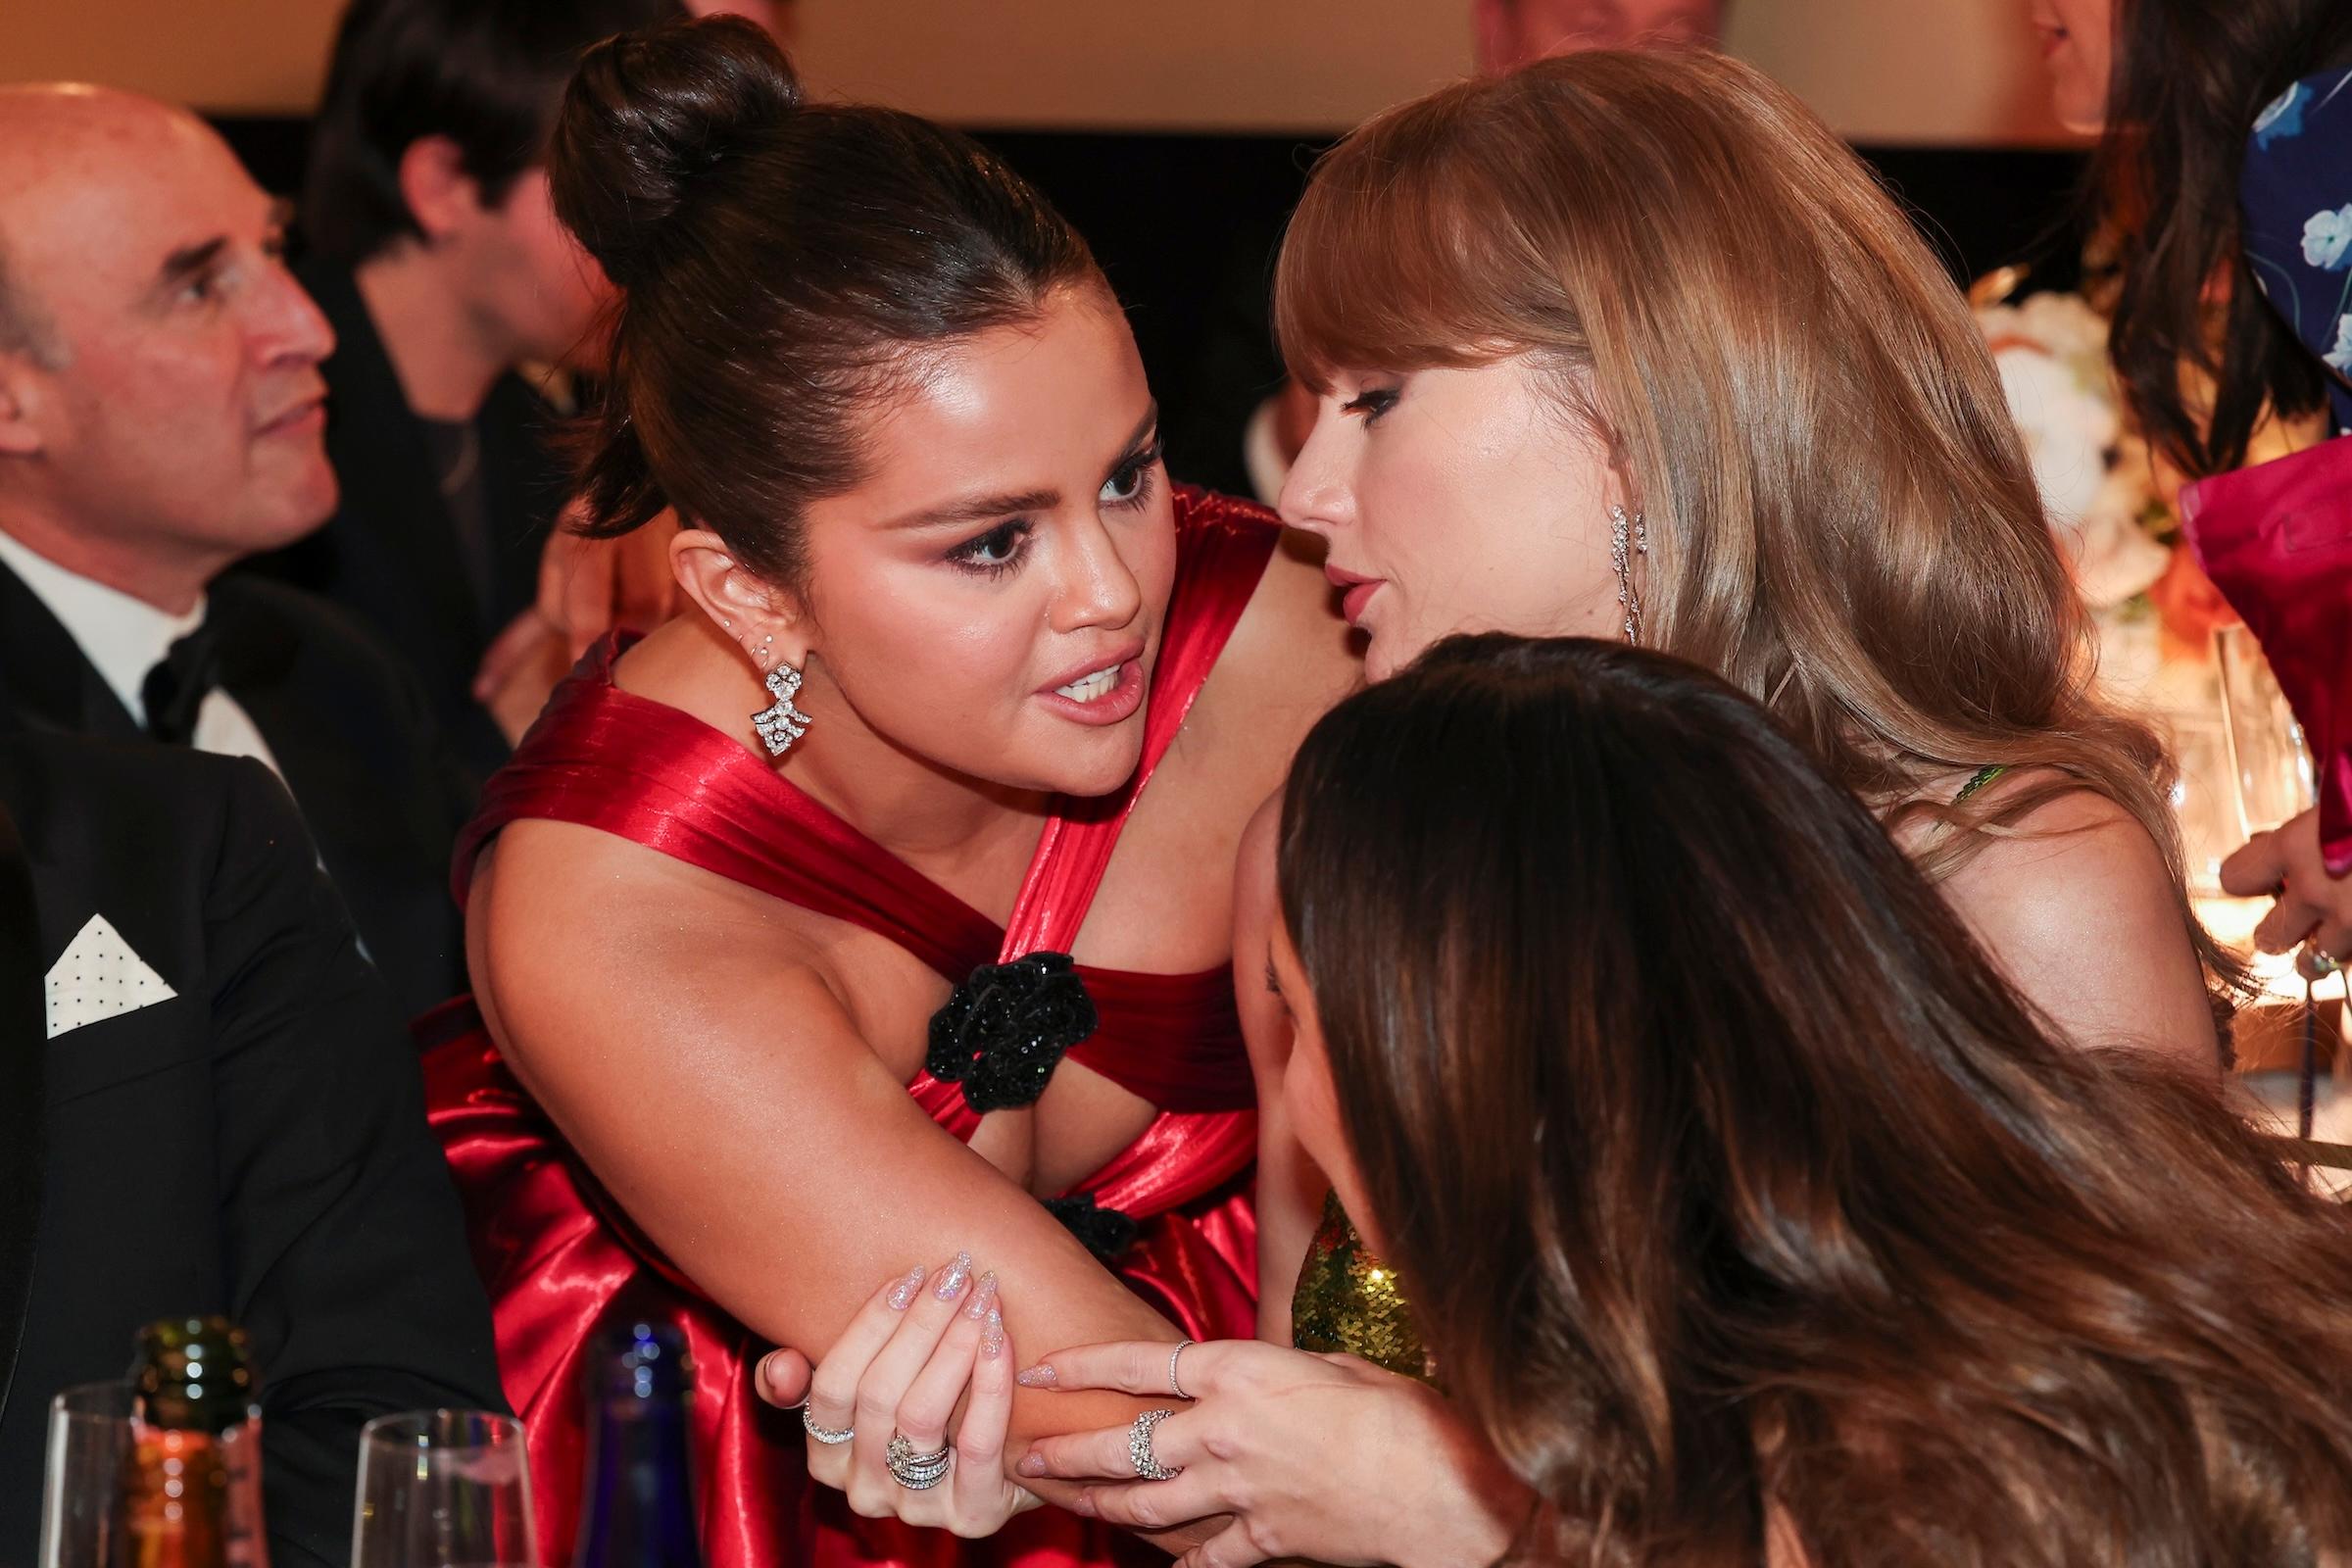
192,1490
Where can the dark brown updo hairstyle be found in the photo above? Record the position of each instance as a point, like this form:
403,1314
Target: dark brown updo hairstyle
777,259
1733,1188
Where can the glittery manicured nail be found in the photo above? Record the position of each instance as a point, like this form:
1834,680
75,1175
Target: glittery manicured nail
901,1295
984,1297
992,1336
958,1275
1037,1377
1031,1465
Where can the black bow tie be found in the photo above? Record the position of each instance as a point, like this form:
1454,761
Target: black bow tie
175,689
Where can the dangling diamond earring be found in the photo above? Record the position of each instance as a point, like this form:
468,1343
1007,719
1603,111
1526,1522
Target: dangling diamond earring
781,723
1629,536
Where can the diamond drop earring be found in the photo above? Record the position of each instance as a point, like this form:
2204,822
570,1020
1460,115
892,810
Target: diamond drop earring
1629,536
781,723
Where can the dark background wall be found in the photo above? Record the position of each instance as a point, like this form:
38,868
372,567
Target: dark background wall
1185,226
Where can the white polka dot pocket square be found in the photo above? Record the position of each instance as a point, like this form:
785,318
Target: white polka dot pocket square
99,976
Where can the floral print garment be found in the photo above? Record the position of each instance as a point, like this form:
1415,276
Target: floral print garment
2296,197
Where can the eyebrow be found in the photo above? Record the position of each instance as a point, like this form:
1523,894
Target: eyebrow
189,261
979,509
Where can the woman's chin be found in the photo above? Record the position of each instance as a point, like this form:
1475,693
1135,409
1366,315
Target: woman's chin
1100,764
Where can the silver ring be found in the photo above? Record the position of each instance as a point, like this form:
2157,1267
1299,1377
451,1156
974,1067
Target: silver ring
824,1434
1174,1387
917,1472
1139,1448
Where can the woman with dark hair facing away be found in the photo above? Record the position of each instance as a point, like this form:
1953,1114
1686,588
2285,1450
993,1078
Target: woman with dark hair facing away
1792,1236
2225,169
831,925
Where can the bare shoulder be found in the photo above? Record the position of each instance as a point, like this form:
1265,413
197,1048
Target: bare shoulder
1290,654
2077,905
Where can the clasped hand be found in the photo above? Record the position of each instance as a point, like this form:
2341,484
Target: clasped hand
1309,1455
923,1345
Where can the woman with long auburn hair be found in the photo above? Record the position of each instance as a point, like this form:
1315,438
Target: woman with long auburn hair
1784,1232
1632,345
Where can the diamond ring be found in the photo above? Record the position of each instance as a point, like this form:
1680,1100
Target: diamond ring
824,1434
1174,1387
917,1472
1139,1448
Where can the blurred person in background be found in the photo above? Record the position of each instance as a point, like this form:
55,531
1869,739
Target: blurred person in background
433,250
161,419
2225,169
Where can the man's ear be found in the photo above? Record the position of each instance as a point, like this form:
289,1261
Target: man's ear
440,195
1492,43
23,390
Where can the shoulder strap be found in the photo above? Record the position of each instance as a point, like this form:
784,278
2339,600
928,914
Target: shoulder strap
1221,552
656,775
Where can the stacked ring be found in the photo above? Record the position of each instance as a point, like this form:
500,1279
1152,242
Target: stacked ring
1139,1448
1174,1387
917,1472
824,1434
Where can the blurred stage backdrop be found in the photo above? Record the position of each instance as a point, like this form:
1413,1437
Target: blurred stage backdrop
1176,133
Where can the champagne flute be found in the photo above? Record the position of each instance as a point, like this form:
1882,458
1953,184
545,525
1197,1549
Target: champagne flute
2271,770
90,1443
444,1488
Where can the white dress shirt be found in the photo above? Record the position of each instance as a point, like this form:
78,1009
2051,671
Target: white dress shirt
124,638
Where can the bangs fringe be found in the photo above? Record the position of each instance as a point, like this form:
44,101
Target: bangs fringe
1390,260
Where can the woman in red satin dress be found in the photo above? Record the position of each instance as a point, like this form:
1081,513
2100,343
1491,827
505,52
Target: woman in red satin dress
752,913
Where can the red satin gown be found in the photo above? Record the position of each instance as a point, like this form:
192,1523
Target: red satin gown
558,1253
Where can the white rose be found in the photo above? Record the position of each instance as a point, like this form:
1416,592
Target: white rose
2067,431
2327,237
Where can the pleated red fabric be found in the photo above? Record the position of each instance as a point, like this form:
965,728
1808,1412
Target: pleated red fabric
560,1255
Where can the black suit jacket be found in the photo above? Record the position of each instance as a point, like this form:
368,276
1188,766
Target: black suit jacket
390,554
347,723
254,1146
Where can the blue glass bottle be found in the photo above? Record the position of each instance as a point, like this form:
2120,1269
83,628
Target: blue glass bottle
639,1512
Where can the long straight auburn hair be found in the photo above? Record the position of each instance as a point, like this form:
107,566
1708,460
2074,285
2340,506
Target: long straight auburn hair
1734,1188
1842,518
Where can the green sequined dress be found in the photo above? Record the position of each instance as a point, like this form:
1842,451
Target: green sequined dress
1349,1300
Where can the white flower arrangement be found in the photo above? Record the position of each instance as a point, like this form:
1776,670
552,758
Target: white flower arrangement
2097,478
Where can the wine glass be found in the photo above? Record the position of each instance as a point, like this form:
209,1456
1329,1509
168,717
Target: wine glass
443,1489
90,1441
2270,762
2270,771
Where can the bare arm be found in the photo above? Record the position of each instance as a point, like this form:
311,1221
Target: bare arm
1289,1187
714,1082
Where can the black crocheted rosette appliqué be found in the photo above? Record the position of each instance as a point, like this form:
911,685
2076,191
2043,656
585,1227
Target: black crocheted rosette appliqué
1003,1031
1105,1232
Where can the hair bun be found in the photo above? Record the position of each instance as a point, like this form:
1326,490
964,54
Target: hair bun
646,119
